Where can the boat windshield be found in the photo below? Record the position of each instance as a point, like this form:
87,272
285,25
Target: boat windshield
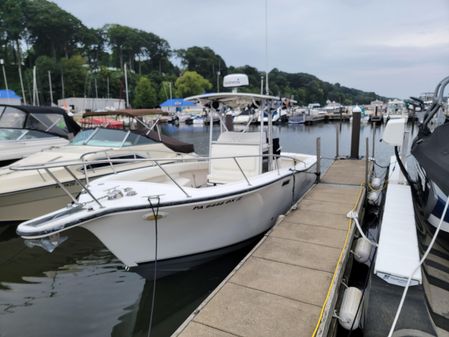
22,134
109,138
12,117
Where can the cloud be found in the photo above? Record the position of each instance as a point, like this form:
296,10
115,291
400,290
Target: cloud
368,44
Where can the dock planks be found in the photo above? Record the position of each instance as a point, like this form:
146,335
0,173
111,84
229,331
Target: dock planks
280,288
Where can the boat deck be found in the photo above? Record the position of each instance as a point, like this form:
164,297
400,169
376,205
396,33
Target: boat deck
287,284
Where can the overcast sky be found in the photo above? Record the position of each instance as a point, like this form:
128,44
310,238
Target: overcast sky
397,48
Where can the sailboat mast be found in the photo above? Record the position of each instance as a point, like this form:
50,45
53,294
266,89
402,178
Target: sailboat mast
50,86
126,86
267,90
21,84
35,91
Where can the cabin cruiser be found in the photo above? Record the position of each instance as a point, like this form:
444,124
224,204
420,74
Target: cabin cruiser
28,129
28,194
187,212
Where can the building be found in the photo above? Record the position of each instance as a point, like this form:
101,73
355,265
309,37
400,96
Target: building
80,105
10,97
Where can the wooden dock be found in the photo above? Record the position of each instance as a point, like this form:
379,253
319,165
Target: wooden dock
288,284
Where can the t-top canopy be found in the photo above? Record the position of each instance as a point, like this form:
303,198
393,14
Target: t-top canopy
232,99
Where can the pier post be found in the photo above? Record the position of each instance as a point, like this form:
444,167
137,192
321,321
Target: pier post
318,159
355,139
337,142
366,162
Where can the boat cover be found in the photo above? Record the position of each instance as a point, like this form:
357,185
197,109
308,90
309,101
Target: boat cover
72,126
432,153
172,143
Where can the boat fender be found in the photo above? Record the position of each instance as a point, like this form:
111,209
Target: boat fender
362,250
373,198
348,316
376,183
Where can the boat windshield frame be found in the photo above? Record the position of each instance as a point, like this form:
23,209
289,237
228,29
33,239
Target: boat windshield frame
118,143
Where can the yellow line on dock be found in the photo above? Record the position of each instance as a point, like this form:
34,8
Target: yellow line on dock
288,284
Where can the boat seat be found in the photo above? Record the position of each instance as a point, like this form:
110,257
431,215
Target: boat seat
230,144
226,170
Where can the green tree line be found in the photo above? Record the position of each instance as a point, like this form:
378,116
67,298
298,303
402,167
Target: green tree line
83,61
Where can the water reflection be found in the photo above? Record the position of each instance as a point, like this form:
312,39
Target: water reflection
82,290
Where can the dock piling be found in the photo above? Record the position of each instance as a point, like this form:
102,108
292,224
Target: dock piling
318,159
355,138
366,162
337,141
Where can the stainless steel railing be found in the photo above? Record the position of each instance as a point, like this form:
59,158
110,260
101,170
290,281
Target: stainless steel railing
159,162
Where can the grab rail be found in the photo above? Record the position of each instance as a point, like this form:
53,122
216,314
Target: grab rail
156,162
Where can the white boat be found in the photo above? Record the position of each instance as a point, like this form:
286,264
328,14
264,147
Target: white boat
186,212
28,129
395,109
279,113
28,194
246,116
413,248
314,114
298,116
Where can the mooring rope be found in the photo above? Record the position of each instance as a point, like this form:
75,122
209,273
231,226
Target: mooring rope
155,215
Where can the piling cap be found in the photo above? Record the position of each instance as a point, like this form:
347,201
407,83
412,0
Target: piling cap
356,109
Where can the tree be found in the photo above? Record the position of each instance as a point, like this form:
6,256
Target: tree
53,31
191,83
145,95
12,26
94,43
75,75
204,61
44,64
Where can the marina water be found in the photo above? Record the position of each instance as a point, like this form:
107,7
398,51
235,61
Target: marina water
81,289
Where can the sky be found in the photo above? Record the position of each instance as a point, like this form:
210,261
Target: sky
396,48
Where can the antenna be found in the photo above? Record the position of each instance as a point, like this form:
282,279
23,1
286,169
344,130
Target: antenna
267,90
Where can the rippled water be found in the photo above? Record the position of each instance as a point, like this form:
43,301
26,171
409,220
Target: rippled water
81,289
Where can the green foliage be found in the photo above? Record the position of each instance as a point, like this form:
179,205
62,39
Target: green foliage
145,96
191,83
75,75
204,61
53,31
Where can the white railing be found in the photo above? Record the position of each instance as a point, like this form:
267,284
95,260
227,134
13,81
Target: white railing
159,162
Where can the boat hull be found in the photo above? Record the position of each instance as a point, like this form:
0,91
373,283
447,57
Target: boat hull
11,151
197,227
27,204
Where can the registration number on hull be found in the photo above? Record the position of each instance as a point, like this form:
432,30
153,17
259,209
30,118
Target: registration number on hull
219,203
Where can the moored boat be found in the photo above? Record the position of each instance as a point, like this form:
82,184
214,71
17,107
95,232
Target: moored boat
29,129
28,194
183,213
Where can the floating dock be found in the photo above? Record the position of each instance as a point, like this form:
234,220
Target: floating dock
289,283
